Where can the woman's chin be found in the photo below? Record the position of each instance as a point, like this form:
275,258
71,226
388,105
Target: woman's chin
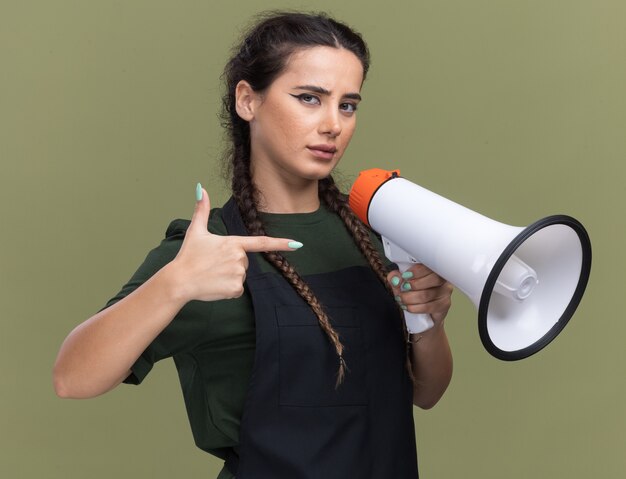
319,171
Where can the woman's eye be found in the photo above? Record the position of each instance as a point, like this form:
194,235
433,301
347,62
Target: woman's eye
308,99
348,107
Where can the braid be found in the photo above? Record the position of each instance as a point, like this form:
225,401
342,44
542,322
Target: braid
338,203
246,195
259,59
303,290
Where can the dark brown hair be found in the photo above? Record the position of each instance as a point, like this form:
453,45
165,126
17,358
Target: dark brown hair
259,59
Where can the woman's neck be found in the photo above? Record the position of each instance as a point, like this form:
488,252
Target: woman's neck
285,195
279,200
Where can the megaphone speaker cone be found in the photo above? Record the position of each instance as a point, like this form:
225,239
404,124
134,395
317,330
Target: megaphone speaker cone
558,249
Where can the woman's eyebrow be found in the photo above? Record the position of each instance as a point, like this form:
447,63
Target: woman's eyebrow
324,91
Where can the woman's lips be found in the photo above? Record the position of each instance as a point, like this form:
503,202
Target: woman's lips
326,152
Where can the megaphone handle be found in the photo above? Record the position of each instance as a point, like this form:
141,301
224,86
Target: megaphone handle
415,322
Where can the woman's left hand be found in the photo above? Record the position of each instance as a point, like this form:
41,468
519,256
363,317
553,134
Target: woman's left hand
420,290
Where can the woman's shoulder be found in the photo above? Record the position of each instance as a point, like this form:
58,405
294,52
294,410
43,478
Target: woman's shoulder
166,251
178,227
169,246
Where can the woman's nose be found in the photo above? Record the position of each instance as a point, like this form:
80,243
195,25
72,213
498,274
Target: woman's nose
331,123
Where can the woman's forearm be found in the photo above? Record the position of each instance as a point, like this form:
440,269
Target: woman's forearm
98,354
432,366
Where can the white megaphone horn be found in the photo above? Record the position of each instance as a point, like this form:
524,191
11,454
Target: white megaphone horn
525,282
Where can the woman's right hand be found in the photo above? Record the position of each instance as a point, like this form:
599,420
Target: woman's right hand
97,355
210,267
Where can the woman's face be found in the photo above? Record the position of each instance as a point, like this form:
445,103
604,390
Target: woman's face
302,124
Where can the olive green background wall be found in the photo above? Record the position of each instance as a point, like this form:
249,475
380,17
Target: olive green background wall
516,109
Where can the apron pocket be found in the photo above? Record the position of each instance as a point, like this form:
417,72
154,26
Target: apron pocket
308,361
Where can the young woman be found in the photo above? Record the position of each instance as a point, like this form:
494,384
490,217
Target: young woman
292,352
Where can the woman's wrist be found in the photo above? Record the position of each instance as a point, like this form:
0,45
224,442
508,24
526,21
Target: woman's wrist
171,284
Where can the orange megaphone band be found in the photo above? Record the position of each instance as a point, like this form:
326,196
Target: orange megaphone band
366,185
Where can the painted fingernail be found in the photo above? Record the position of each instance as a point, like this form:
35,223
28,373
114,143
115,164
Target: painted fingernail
198,192
404,307
295,245
395,281
407,275
398,299
406,287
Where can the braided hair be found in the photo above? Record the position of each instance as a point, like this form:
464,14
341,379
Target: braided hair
258,60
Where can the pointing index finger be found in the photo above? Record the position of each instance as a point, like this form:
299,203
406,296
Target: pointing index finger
259,244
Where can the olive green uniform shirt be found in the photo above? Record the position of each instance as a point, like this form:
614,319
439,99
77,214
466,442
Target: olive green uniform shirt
213,343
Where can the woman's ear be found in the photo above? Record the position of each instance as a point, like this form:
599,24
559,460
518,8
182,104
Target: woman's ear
245,100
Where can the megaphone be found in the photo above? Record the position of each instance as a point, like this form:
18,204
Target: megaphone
526,282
